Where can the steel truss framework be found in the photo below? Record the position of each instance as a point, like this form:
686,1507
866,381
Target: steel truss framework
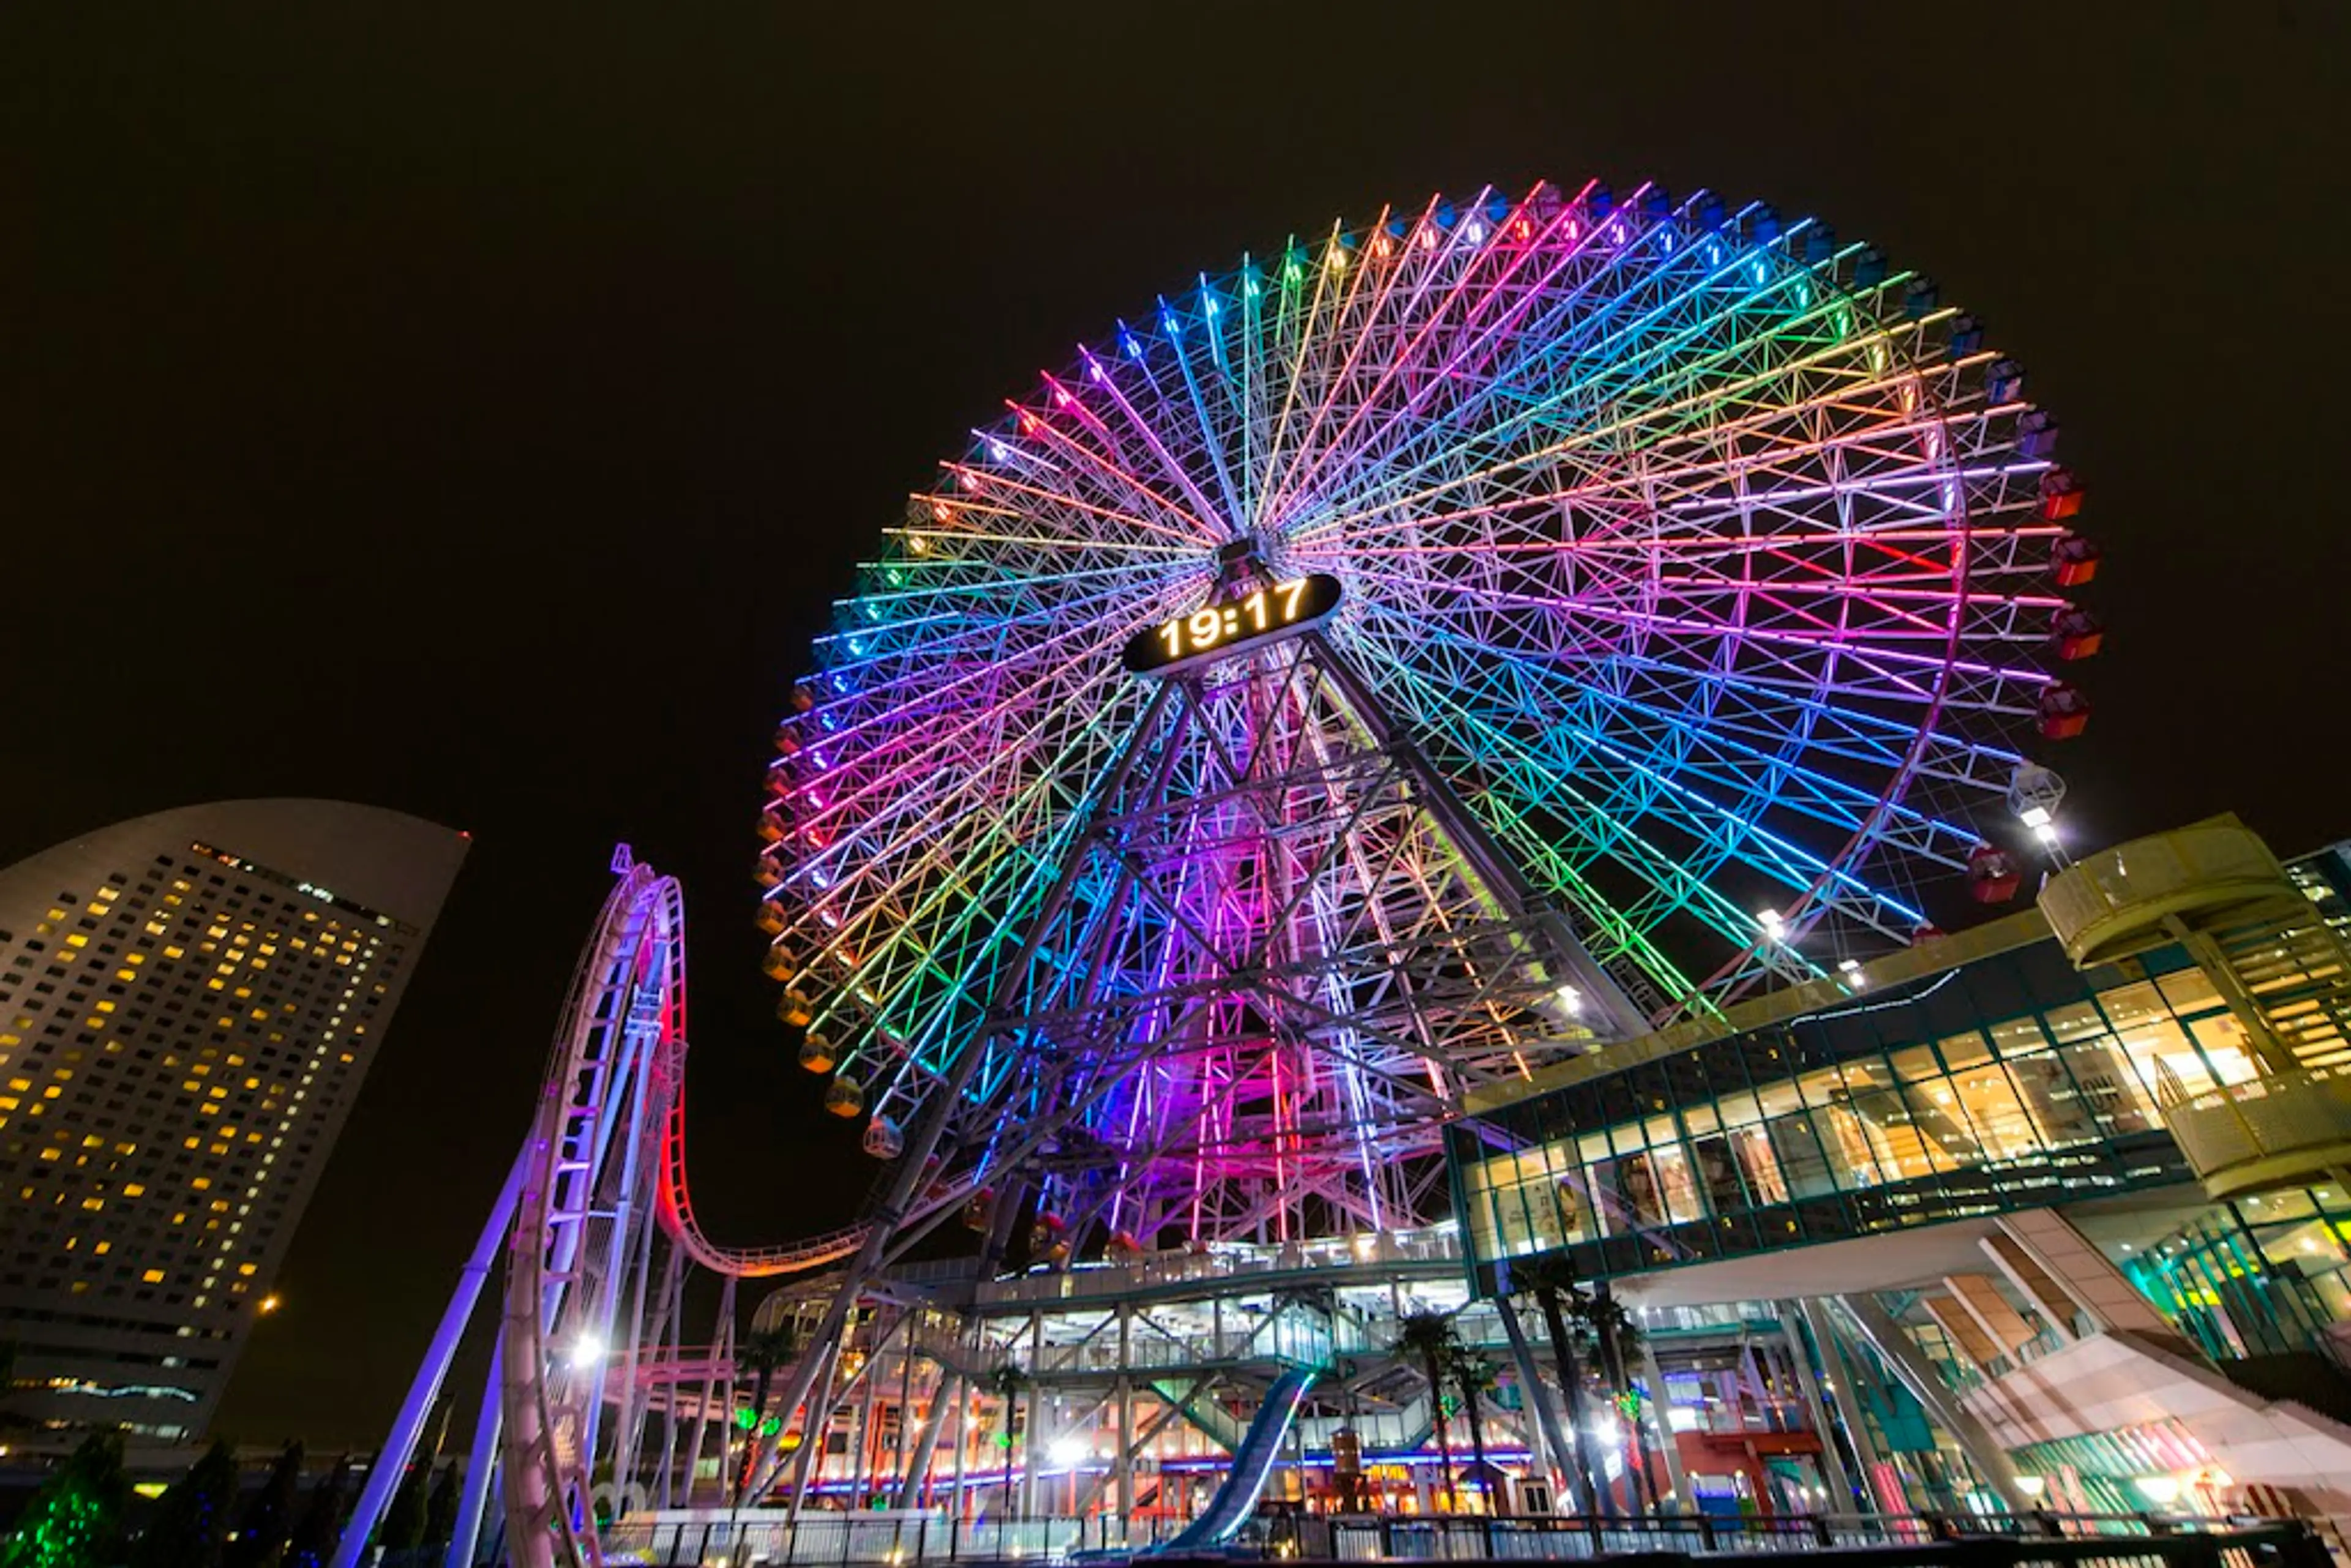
1691,560
1284,952
1700,560
1708,559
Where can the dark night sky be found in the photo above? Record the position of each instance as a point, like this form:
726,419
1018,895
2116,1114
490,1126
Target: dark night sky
474,414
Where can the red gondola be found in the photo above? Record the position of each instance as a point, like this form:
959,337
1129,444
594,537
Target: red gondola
2075,634
2064,712
2061,495
2073,560
1992,876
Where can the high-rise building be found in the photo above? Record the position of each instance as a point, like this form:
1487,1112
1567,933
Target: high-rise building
188,1003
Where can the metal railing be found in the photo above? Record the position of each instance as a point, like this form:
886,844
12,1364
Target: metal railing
1436,1245
1891,1541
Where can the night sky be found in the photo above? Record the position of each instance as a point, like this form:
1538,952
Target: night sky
474,414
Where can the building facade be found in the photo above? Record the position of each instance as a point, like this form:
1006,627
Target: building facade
2050,1213
189,1002
2071,1186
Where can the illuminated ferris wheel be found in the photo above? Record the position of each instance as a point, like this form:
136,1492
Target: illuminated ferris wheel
1432,643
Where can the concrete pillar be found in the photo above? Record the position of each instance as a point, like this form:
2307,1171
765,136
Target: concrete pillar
1850,1413
1032,1436
2085,1274
1808,1383
1123,1470
1981,1299
1967,1336
1902,1355
865,1452
1676,1480
1556,1439
2035,1283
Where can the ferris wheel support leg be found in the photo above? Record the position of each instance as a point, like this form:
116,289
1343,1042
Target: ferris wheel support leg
1470,840
934,1124
480,1460
406,1426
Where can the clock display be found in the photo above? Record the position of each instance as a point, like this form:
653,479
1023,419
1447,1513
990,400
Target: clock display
1223,627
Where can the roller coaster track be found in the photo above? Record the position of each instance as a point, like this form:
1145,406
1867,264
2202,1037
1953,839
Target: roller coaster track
589,1344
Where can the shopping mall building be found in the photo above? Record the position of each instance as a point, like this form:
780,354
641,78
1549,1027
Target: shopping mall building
2069,1186
2054,1211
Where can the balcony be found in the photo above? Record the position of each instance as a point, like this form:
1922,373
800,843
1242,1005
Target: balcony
2285,1129
2122,901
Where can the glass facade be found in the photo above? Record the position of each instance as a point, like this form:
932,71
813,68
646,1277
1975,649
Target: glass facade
2259,1276
2011,1081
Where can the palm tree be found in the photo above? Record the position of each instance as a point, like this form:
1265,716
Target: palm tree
190,1525
1429,1335
322,1518
1474,1375
1006,1383
262,1531
763,1352
1553,1281
1616,1336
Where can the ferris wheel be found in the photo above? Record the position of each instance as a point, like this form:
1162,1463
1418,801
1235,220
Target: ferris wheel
1712,566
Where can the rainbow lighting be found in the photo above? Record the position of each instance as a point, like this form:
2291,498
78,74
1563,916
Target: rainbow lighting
1713,563
1430,650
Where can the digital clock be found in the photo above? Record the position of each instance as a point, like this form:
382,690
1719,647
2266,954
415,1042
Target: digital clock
1224,627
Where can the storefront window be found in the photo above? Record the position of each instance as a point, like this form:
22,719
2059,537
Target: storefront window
1995,1098
2002,1130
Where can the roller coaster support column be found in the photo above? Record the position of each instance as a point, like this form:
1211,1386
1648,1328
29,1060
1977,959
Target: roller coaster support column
476,1499
946,1103
398,1444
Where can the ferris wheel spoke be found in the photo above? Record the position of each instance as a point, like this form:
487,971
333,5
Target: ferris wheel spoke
1604,735
1536,620
1600,831
1333,379
920,541
1697,747
1230,462
1042,426
915,687
1099,375
984,919
1416,330
1714,471
1534,410
887,638
1043,501
1658,407
1305,338
1737,749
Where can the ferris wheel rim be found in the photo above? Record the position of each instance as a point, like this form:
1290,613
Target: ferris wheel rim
1138,536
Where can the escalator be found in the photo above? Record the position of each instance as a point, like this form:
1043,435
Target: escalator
1253,1461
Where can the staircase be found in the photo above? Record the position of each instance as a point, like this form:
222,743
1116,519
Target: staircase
2302,1377
2294,970
2214,890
